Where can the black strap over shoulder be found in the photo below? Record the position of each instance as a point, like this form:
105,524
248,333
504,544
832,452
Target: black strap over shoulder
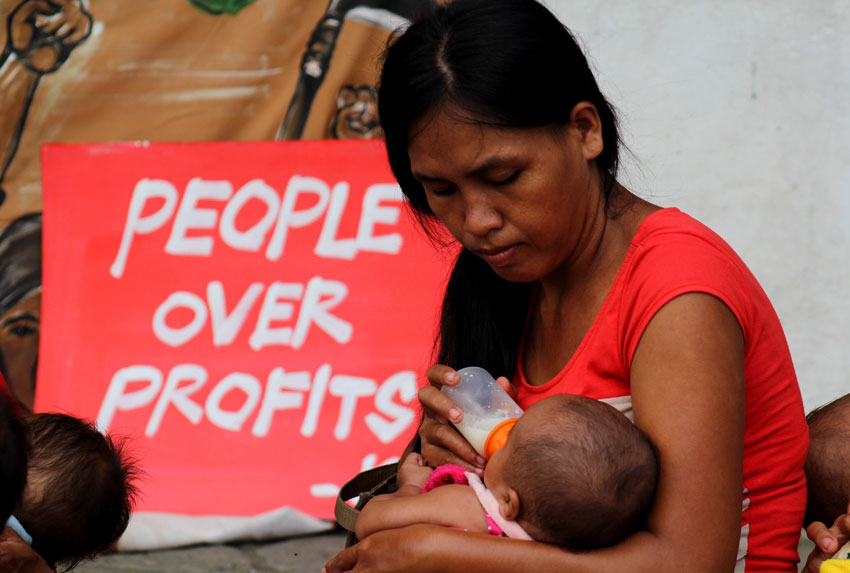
365,486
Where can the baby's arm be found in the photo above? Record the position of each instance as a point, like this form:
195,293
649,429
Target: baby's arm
450,505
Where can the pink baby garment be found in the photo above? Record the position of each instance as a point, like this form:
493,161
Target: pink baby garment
496,524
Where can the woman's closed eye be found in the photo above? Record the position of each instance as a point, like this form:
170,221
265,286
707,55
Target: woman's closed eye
503,179
439,190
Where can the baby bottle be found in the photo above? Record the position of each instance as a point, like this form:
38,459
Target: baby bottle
489,413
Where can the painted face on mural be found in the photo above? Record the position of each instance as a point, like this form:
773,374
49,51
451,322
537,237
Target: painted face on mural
19,336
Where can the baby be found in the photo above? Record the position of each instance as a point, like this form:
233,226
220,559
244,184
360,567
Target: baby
14,450
574,472
828,461
79,490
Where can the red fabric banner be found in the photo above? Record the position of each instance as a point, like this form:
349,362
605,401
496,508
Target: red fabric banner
256,317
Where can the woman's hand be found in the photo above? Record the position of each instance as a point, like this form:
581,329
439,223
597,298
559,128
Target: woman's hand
441,442
388,550
425,548
827,540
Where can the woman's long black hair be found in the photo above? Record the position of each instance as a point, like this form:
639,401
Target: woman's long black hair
507,63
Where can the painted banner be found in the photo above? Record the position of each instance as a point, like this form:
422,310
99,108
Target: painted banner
256,317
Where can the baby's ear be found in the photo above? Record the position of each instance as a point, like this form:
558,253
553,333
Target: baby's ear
509,504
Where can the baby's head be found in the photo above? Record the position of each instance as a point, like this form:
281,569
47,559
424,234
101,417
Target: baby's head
828,461
574,472
14,449
79,490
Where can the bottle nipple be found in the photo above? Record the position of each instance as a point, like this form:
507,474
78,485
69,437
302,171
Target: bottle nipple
498,437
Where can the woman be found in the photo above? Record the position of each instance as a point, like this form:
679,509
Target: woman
567,282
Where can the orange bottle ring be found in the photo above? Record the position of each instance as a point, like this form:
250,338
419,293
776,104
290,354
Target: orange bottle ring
498,436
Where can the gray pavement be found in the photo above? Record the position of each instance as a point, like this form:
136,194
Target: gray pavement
293,555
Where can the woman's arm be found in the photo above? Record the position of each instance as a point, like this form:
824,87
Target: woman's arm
687,385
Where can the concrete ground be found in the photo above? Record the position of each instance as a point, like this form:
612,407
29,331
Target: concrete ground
292,555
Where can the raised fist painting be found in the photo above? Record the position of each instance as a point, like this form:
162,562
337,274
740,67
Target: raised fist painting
43,33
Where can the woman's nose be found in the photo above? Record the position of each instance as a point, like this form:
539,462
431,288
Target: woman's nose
480,216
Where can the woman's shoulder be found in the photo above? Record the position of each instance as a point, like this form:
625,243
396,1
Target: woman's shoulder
672,245
664,223
673,254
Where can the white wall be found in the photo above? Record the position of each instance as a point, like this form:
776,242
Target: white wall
738,112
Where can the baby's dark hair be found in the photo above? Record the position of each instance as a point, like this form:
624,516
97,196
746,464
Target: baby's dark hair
80,489
14,451
828,461
585,476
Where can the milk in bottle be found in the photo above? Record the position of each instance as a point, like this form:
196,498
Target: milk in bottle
488,411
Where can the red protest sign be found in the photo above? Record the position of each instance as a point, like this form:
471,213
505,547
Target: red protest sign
256,316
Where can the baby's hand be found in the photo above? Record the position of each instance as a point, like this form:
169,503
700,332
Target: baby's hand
827,541
413,472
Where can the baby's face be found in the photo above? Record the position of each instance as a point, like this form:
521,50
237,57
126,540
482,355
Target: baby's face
494,471
532,420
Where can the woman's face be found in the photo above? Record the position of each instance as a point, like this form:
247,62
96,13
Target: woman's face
520,198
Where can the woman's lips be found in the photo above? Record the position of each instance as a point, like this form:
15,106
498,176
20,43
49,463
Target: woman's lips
498,257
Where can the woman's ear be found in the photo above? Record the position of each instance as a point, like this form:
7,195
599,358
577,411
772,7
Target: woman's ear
584,118
509,504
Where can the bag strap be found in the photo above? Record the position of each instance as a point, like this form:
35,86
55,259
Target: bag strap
363,485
